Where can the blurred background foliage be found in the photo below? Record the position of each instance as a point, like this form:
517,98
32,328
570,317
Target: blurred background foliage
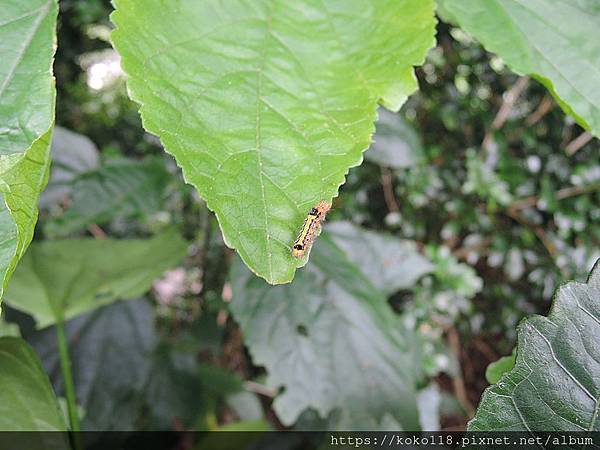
481,186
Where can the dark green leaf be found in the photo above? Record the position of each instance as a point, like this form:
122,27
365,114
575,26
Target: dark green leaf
72,154
121,188
111,350
555,383
327,337
389,263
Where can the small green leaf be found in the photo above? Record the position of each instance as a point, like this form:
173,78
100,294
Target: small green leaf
61,279
555,383
27,96
555,41
266,105
325,337
495,370
389,263
396,144
120,188
27,402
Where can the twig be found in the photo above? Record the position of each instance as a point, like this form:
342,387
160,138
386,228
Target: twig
573,146
260,389
508,101
388,190
561,194
539,231
543,108
463,252
96,231
457,381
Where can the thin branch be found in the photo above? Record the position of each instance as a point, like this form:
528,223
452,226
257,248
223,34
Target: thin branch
260,389
463,252
96,231
572,191
388,190
457,380
539,232
508,101
543,108
573,146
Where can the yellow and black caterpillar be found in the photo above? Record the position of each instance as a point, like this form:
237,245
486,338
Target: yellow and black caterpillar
310,228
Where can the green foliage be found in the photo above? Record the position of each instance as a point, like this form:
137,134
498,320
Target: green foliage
137,379
27,37
72,154
27,402
396,144
294,332
266,107
554,383
119,188
389,263
473,202
495,370
58,280
554,41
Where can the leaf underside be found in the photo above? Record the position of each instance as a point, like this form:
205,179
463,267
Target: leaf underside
266,105
329,325
555,383
555,41
65,278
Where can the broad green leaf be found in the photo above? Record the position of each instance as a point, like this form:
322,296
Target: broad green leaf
27,402
389,263
126,378
120,188
27,96
555,41
72,155
555,383
325,338
174,390
61,279
396,144
495,370
111,355
266,105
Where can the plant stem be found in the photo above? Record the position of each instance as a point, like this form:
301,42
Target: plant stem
65,364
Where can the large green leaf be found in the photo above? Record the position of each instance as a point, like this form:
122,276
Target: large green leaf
120,188
111,351
555,383
330,341
61,279
389,263
27,402
27,95
266,105
555,41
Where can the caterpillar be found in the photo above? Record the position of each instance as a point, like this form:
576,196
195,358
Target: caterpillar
309,229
